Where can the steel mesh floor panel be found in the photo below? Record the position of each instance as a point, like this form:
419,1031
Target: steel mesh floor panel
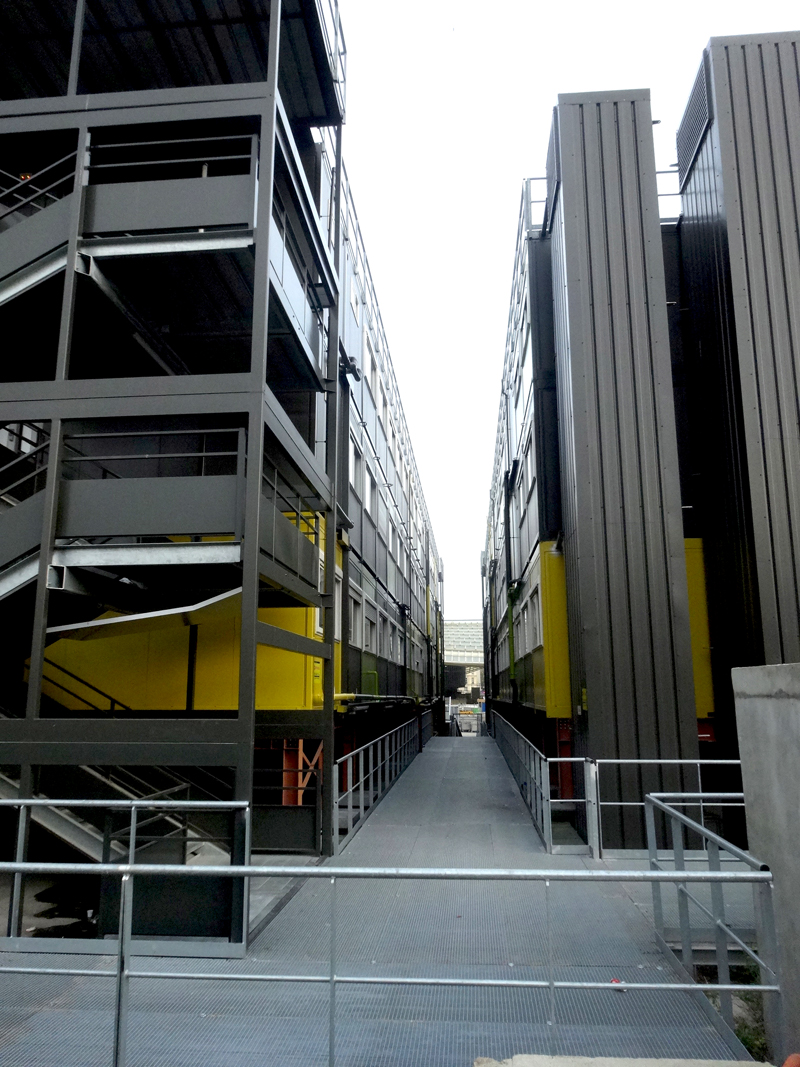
456,806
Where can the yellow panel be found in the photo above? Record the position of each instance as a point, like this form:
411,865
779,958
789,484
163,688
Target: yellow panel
698,625
553,602
216,674
149,670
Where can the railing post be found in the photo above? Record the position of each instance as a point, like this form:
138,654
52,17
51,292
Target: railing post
551,1014
652,853
592,807
361,784
15,910
547,812
335,803
332,985
371,775
123,963
720,936
349,766
683,901
768,951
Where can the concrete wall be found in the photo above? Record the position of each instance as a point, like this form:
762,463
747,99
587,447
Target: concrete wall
768,720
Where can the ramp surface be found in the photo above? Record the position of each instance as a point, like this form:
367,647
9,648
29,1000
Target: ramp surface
456,806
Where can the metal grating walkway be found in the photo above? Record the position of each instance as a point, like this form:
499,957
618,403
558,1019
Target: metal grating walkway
457,805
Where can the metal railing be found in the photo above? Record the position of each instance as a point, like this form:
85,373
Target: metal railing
766,956
124,972
186,157
114,704
160,803
34,192
531,771
534,773
363,777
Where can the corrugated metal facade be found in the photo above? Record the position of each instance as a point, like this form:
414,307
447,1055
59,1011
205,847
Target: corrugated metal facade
623,537
741,263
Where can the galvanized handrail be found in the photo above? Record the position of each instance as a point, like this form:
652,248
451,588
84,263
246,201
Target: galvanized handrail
531,770
766,957
125,972
385,758
134,806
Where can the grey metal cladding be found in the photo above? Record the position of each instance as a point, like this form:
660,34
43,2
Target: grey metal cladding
621,498
695,122
553,172
757,103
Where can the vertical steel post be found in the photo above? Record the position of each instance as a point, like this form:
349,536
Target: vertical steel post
15,908
547,813
349,766
335,806
551,1012
75,55
590,781
123,964
361,784
371,774
332,417
332,985
768,952
652,854
720,937
683,900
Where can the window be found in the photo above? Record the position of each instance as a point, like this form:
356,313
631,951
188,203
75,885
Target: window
356,467
384,409
373,374
369,635
383,636
355,621
525,630
370,499
392,640
536,620
354,301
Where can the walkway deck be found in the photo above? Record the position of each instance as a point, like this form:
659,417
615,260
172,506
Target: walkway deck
456,806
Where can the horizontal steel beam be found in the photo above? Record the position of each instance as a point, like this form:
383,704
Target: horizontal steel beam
217,241
277,637
199,552
449,874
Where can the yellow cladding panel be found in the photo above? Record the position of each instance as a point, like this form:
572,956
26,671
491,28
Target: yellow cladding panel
553,594
150,670
698,625
146,670
216,673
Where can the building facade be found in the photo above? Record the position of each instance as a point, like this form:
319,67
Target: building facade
641,527
217,571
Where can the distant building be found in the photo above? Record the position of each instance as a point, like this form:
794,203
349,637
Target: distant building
463,659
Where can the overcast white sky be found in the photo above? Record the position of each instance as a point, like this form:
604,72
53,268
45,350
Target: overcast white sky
449,106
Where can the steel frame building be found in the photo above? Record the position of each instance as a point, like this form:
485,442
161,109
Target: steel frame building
203,415
642,538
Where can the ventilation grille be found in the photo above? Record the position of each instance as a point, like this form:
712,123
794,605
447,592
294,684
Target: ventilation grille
695,122
553,172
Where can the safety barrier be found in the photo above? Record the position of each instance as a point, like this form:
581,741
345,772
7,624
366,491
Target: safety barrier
680,823
363,777
125,972
534,774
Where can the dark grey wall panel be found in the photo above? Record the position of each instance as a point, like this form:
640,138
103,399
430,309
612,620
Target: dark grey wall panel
130,206
147,506
35,236
628,604
756,98
20,528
